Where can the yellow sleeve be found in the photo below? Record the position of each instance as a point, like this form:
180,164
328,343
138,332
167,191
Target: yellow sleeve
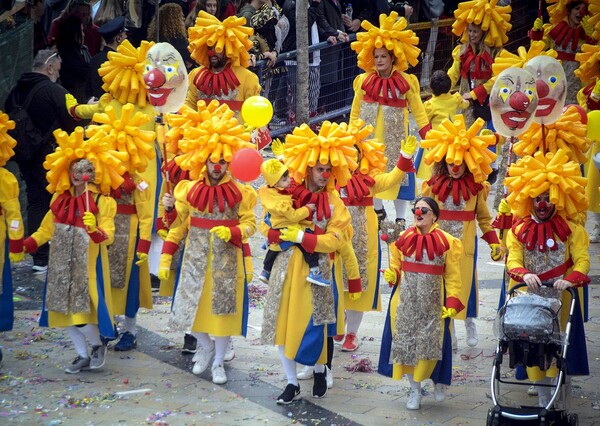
426,190
428,109
515,252
107,209
578,243
460,102
9,202
454,71
452,277
484,218
191,99
181,204
44,233
358,96
250,84
336,233
385,181
144,211
246,212
413,96
281,205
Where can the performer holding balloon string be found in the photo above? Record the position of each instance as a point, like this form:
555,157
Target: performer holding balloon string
458,184
80,224
383,95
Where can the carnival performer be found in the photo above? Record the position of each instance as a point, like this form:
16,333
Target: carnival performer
545,244
223,73
130,277
11,226
383,93
424,267
80,225
217,213
568,30
296,313
458,185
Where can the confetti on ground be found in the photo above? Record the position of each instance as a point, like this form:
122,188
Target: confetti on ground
363,365
257,295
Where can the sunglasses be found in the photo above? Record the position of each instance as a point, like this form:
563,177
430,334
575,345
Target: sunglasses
424,210
54,55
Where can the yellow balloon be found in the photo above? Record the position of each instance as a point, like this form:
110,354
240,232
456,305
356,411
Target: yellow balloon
593,125
257,111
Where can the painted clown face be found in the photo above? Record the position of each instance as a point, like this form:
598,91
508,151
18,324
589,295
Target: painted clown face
165,77
551,85
513,101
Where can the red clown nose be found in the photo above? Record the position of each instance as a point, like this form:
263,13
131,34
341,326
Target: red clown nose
85,177
326,175
542,205
217,167
419,212
455,169
210,53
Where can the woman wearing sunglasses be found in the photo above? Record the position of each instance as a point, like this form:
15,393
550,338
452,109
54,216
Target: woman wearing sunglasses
424,266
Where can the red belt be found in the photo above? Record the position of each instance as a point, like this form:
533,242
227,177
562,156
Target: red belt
461,215
126,209
565,56
398,103
559,271
233,104
422,268
200,222
366,201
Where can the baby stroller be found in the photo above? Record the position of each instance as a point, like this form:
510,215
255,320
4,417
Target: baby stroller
529,331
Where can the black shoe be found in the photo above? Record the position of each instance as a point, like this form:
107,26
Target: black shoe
492,177
319,385
189,344
154,282
291,393
381,215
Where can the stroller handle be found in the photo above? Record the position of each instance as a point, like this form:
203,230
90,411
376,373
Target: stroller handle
547,283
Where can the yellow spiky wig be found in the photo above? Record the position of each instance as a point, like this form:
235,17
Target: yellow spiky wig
393,35
334,144
7,142
567,133
505,59
187,117
122,73
493,19
109,164
124,134
455,143
589,63
558,9
372,153
594,19
553,172
231,35
219,135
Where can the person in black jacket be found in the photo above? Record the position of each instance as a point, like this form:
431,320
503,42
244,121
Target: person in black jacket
75,56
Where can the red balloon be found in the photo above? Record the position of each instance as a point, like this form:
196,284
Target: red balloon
245,164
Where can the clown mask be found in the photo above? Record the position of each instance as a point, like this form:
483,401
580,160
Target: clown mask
551,85
165,77
513,101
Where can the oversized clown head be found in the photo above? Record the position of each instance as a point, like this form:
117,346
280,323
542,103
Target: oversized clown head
513,101
551,85
165,76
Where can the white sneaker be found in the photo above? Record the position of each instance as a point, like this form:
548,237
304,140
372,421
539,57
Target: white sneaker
218,375
471,328
414,400
532,390
329,377
202,360
306,373
439,392
230,352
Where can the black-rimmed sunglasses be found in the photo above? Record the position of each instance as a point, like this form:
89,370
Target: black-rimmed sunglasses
424,210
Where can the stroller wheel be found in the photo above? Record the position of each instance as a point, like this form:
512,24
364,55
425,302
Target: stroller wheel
492,418
573,419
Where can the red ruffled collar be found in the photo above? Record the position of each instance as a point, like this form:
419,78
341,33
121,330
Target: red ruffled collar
212,84
303,196
382,89
482,64
358,186
66,206
203,196
127,187
542,236
563,34
176,174
465,187
413,242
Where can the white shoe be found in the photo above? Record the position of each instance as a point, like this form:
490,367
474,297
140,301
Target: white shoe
532,390
329,377
230,352
414,400
218,375
471,328
439,392
202,360
306,373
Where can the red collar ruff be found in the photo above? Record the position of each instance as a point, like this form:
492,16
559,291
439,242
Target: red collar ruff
203,196
176,174
483,65
383,89
563,34
212,84
465,187
303,196
66,206
412,242
358,186
535,235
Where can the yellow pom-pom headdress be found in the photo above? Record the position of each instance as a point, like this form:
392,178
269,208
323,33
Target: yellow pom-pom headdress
7,142
455,143
589,63
558,10
122,73
372,153
505,59
493,20
594,19
231,35
532,176
334,144
567,133
109,164
219,135
187,117
392,35
124,134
